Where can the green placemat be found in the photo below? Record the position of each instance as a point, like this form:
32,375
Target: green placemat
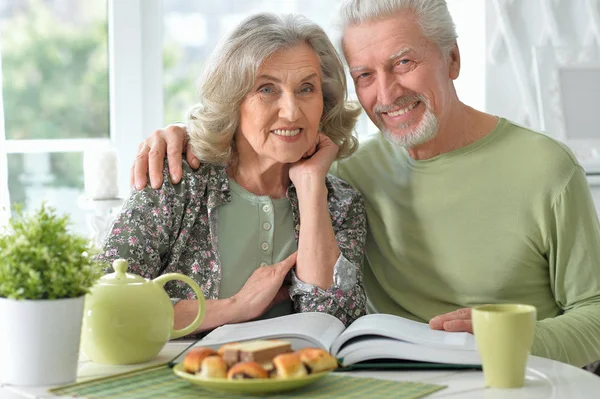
160,382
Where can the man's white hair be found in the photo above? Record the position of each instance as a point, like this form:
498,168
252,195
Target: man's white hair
432,15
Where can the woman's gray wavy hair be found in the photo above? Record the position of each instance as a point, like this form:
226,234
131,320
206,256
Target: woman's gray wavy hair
433,17
231,72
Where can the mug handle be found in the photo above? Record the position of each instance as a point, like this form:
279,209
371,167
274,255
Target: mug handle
165,278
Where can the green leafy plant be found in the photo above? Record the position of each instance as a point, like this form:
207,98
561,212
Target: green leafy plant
41,259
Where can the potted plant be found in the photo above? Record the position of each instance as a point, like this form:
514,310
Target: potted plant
45,272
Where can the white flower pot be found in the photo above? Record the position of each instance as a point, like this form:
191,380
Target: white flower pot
39,341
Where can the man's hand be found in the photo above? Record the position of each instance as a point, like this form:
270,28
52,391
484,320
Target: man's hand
263,290
171,141
457,321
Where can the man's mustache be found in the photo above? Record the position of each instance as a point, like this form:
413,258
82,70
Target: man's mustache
400,102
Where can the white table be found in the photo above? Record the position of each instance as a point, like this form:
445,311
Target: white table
545,379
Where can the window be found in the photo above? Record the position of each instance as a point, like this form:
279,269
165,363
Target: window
56,75
192,30
55,99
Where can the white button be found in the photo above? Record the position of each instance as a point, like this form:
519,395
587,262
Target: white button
263,264
266,225
264,246
266,208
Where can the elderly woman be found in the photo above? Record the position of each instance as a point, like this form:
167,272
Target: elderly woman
272,118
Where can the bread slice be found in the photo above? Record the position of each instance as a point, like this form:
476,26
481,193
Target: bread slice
259,351
221,350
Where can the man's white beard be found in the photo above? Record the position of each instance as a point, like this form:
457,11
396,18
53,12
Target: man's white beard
426,130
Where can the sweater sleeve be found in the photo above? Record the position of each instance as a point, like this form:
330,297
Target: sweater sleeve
345,299
574,263
146,228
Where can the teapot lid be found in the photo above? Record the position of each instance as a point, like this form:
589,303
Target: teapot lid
120,277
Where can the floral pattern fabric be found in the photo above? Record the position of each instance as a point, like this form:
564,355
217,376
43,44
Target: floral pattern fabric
172,230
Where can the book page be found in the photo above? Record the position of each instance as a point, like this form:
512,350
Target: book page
377,348
317,329
399,328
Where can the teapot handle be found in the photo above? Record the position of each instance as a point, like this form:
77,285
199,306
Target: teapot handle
165,278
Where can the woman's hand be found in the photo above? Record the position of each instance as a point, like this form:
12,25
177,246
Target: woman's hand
263,290
316,162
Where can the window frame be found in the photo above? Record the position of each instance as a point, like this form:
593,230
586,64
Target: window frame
135,77
4,197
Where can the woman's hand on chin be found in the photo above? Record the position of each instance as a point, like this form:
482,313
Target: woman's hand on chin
315,164
263,290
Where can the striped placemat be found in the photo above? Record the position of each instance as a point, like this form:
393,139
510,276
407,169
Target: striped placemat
161,382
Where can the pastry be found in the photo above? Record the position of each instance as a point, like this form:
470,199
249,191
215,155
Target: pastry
247,370
316,360
289,365
193,359
213,367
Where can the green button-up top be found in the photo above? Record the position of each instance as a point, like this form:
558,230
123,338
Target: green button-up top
173,229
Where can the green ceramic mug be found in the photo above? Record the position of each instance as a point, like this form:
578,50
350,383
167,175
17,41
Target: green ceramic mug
504,335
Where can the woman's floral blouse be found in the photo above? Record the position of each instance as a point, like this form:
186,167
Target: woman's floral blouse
173,229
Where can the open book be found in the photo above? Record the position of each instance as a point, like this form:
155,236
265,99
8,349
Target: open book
374,337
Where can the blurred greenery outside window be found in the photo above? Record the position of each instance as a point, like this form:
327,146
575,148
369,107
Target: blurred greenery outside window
192,30
55,86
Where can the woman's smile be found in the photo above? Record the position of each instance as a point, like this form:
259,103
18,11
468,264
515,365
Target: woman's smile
288,135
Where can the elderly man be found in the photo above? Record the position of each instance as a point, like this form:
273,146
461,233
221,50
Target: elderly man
464,208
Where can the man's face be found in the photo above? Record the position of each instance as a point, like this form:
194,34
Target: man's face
402,80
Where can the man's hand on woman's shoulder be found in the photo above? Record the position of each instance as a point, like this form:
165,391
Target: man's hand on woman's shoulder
171,141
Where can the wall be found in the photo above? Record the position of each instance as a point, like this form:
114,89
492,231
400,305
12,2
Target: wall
469,18
527,42
513,28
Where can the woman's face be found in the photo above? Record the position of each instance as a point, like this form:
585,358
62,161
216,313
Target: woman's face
279,118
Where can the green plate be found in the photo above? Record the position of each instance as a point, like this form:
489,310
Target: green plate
257,386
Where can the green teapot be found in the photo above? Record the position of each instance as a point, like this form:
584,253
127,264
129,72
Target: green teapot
128,319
